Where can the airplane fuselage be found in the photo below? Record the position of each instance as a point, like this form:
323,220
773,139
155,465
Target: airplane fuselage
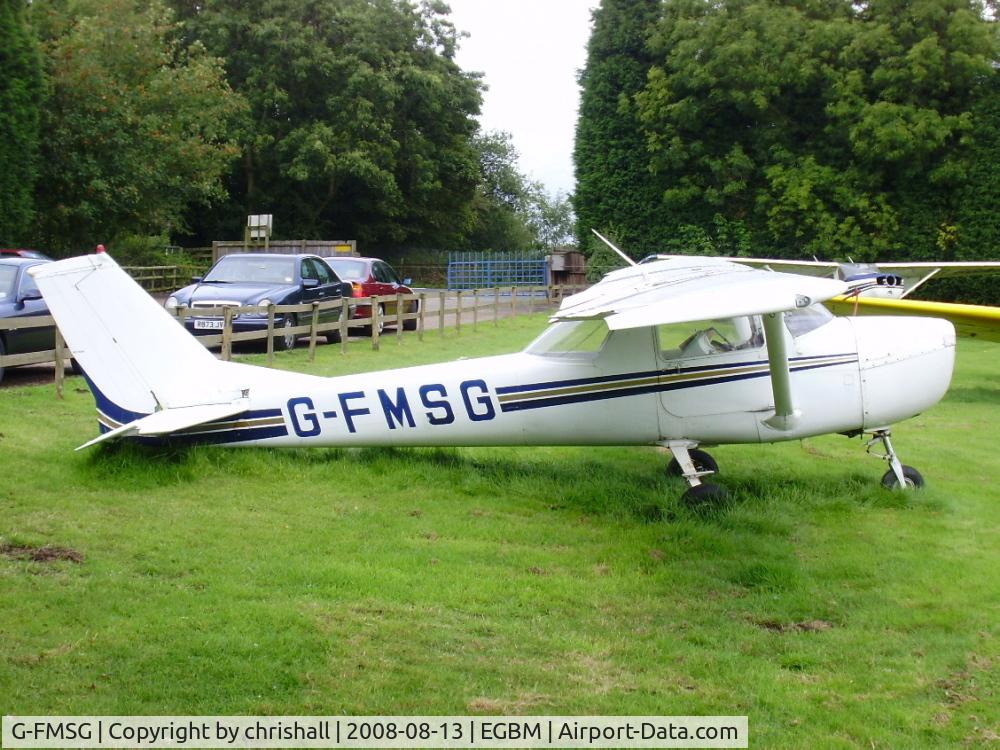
848,375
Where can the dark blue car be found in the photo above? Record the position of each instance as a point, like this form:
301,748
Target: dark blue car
20,298
261,279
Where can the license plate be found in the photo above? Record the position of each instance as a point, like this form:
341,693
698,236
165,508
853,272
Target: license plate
208,325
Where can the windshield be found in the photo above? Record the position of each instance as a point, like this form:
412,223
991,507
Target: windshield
256,270
349,270
569,337
8,275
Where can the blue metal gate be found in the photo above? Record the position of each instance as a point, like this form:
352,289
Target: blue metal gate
469,270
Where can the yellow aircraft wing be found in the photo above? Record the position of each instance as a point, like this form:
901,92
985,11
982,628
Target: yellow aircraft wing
972,321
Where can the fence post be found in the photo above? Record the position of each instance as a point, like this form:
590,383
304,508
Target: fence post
496,306
60,363
458,311
375,322
270,335
399,318
345,312
475,309
513,301
420,316
312,332
441,299
227,333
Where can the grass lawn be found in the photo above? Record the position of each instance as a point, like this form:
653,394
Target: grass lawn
534,581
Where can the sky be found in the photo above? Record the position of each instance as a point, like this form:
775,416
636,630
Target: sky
530,52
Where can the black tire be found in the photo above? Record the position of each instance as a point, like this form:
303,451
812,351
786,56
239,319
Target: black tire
704,496
910,475
333,337
411,325
702,462
285,341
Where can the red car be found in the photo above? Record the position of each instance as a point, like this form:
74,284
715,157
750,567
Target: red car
370,277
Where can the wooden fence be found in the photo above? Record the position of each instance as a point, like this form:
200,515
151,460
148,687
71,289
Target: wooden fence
162,278
482,305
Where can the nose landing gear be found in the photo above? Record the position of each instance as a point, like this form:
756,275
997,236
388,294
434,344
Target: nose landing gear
899,476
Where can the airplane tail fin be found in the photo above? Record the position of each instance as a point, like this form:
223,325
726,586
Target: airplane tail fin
136,357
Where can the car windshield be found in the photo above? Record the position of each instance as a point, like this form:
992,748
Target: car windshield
349,270
8,275
257,270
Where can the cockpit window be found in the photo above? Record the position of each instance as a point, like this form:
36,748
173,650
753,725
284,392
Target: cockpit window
807,319
570,337
703,338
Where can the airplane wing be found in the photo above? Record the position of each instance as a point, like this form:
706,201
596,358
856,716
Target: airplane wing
972,321
916,275
684,288
804,267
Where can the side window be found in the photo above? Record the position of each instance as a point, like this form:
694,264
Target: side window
801,322
390,274
309,269
709,337
27,286
382,273
323,272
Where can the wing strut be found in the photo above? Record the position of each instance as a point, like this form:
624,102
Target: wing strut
785,415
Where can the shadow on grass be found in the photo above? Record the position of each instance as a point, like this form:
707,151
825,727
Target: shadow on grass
629,491
974,395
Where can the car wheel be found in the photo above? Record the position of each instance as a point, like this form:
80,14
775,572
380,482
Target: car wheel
367,330
286,340
411,325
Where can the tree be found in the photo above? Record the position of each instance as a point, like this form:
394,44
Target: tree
503,198
551,218
614,186
20,93
360,123
136,126
819,127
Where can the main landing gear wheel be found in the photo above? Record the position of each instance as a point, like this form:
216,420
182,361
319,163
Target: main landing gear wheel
702,462
693,464
703,496
911,479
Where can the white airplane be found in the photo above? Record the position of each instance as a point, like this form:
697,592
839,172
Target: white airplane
677,353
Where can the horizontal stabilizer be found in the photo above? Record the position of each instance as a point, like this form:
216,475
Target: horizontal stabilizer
169,421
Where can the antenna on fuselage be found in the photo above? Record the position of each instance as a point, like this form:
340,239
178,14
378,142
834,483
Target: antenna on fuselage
610,244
